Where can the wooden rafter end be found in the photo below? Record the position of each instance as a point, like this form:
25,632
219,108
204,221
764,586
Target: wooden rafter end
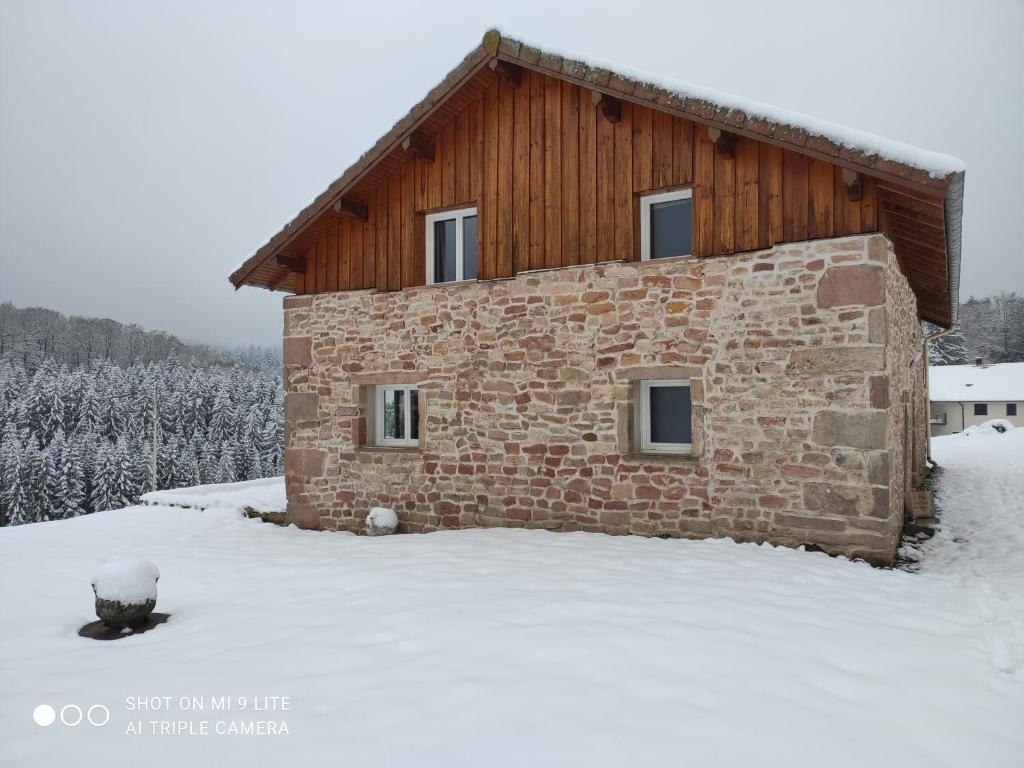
353,209
610,107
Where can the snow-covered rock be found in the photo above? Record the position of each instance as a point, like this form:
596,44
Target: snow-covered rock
126,580
381,521
990,427
999,425
125,590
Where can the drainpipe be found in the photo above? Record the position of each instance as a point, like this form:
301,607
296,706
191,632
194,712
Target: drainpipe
928,391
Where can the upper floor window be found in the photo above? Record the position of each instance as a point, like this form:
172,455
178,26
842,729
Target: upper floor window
666,224
451,246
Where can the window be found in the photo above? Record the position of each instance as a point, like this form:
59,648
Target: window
451,246
665,416
981,409
666,224
1011,409
397,415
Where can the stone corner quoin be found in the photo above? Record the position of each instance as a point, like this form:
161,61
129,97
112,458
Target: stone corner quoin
807,399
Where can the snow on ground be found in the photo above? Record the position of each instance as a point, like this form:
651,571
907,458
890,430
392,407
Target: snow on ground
981,500
512,647
263,495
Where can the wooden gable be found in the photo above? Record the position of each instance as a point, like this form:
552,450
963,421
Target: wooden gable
555,169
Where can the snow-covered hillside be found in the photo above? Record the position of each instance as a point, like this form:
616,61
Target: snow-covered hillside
512,647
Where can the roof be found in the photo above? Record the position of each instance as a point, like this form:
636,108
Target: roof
971,383
902,165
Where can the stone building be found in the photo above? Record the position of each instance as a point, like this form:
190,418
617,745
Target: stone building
556,296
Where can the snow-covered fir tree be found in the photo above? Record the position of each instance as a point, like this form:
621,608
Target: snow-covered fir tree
75,440
950,349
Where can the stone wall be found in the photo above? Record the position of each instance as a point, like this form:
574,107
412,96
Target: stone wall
799,360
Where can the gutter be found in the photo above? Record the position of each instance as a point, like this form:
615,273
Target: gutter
954,213
927,383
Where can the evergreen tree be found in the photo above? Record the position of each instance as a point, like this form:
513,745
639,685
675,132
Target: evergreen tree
226,467
222,418
51,500
950,349
77,441
17,493
70,484
188,467
104,490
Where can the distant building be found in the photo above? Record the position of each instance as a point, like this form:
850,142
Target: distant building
966,395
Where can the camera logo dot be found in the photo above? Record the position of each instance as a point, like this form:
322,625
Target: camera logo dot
98,715
44,715
71,715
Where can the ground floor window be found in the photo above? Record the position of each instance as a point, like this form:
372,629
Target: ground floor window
665,416
397,415
1011,409
981,409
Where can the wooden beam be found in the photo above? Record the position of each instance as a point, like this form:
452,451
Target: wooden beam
507,71
420,144
725,142
610,107
914,202
292,263
903,216
854,184
918,236
279,278
353,209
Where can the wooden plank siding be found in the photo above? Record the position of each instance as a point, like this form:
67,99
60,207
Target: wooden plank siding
557,184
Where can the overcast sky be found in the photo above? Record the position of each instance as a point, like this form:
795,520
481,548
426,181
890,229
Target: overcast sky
148,148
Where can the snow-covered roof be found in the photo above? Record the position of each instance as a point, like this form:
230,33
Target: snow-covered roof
935,164
971,383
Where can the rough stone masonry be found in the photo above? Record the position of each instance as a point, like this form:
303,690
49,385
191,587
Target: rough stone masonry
805,368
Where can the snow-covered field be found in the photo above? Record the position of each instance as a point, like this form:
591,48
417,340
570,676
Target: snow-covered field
512,648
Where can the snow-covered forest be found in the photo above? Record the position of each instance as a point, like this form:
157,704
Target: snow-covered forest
990,328
82,402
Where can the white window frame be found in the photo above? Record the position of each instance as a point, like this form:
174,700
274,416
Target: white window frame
646,201
378,433
460,254
646,446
